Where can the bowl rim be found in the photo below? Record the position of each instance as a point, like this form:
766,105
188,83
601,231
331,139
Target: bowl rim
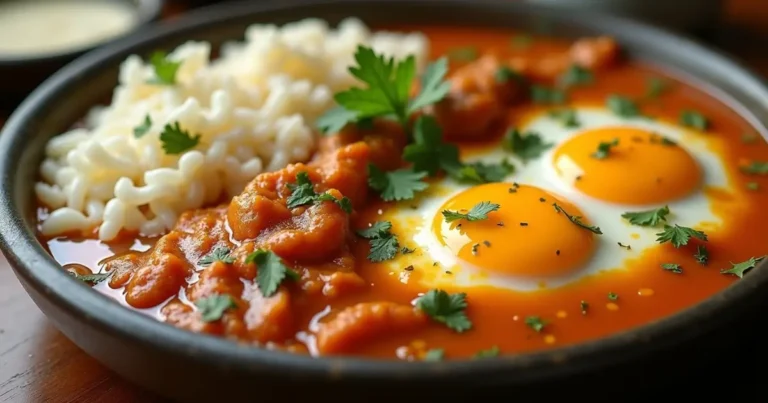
147,11
40,271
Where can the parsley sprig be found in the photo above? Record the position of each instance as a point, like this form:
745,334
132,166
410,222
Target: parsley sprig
577,220
648,217
478,212
165,69
176,140
604,149
218,255
271,271
402,184
679,236
525,146
303,193
447,309
142,129
384,244
739,269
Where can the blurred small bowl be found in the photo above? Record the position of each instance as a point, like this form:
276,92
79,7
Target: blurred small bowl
30,69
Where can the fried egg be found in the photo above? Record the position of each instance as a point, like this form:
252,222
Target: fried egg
540,235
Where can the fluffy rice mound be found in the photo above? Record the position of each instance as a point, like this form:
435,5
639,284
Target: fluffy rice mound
254,108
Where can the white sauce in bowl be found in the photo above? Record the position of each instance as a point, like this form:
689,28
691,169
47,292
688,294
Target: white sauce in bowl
32,27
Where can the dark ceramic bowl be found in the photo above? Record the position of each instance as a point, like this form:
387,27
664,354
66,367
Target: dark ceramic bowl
30,70
193,367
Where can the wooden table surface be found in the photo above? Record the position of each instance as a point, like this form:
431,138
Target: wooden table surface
38,364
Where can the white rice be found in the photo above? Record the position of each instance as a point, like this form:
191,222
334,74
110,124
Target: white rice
254,107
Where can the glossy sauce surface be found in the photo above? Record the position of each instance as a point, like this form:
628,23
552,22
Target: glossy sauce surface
364,309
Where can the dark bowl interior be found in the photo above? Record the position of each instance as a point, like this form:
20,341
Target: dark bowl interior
30,70
194,367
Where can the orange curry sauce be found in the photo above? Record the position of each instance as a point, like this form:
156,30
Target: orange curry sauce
344,304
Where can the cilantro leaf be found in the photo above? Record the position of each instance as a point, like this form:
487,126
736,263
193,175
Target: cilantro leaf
388,86
344,203
165,70
535,323
478,212
756,168
648,217
701,255
402,184
622,106
434,87
753,186
271,271
434,355
696,120
505,74
302,192
335,119
428,153
547,96
212,307
218,255
567,117
749,138
739,269
521,41
142,129
463,54
604,149
92,278
492,352
679,236
613,296
176,141
480,172
577,220
384,244
576,75
526,146
445,308
673,267
654,87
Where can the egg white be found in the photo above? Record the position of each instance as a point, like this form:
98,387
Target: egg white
445,269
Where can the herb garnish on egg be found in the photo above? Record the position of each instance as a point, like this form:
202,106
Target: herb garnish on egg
478,212
271,271
445,308
577,220
648,217
604,149
525,146
679,236
567,117
693,119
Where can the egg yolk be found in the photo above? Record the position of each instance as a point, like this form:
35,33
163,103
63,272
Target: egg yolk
526,236
627,165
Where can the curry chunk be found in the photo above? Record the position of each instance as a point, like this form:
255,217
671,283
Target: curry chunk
365,321
156,281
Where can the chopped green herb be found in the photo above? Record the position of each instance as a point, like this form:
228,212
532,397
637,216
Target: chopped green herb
402,184
679,236
175,140
753,186
648,217
535,323
428,153
445,308
756,168
462,54
577,220
613,296
384,243
525,146
335,120
739,269
673,267
303,193
622,106
93,278
212,307
576,75
696,120
271,271
406,250
584,305
627,247
434,87
666,141
165,69
480,172
701,255
748,138
604,149
654,87
476,213
344,203
218,255
521,41
547,96
492,352
505,74
567,117
142,129
434,355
